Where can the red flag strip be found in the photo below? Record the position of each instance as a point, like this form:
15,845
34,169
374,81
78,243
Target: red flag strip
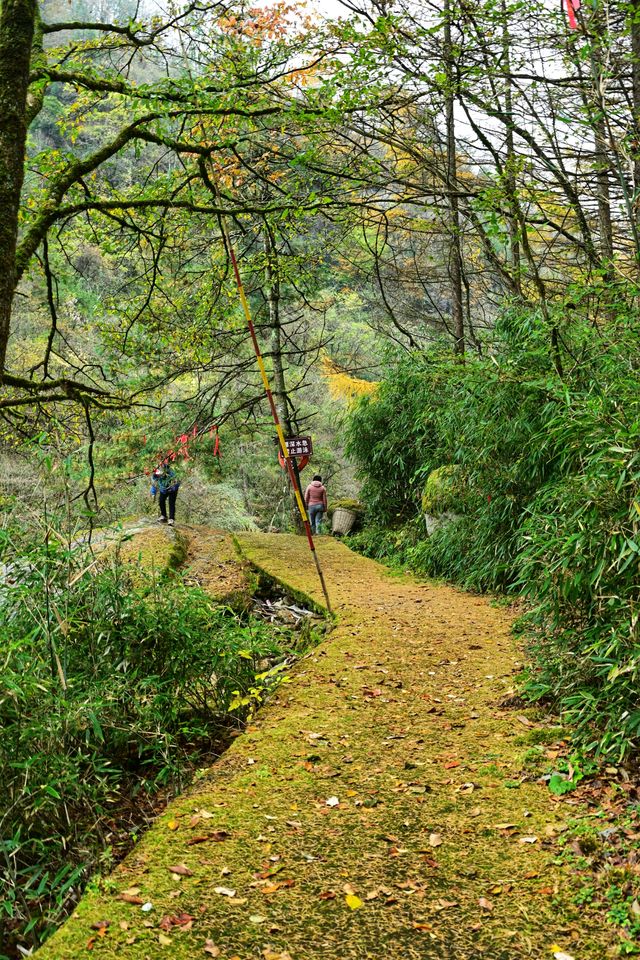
572,8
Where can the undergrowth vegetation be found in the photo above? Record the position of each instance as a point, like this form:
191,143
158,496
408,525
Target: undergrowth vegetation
547,503
113,689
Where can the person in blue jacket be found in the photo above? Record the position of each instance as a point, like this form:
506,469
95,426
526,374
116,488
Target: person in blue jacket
165,483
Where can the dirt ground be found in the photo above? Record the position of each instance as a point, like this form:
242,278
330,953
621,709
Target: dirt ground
378,807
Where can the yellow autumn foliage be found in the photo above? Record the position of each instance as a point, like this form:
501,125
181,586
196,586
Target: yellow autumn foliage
342,386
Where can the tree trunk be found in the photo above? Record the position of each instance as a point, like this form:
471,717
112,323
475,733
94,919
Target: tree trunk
635,90
602,161
604,193
17,22
279,389
455,258
510,165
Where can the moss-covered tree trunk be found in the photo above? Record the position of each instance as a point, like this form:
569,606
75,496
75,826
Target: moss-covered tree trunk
17,20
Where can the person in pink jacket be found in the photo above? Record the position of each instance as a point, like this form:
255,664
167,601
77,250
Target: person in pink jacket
315,497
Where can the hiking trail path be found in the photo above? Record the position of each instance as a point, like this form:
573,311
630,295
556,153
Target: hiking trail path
377,806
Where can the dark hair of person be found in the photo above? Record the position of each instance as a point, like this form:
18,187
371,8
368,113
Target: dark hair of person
318,477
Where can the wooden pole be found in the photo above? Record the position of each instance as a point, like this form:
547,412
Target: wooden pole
272,405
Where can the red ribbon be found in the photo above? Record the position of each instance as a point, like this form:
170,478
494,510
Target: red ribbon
185,439
572,8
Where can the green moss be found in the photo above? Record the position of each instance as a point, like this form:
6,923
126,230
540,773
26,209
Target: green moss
362,705
443,490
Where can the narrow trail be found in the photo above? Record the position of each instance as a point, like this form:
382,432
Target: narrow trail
376,808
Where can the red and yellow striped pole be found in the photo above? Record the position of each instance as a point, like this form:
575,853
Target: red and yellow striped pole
274,412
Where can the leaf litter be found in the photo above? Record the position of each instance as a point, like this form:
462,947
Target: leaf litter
379,833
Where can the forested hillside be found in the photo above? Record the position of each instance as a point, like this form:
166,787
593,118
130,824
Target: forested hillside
435,213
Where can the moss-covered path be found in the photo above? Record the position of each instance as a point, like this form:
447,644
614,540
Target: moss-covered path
376,808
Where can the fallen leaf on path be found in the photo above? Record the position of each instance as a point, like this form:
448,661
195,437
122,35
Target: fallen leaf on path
435,840
274,887
560,954
129,897
164,940
506,826
211,949
184,920
225,891
485,904
216,837
173,825
327,895
353,902
269,871
525,722
101,925
181,870
423,927
445,904
332,802
257,918
528,840
146,907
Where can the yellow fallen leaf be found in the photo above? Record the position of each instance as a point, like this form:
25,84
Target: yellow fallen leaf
173,825
354,902
164,940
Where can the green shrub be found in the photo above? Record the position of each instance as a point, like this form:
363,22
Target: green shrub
107,690
550,506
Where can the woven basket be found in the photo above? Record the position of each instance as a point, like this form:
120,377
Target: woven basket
343,520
